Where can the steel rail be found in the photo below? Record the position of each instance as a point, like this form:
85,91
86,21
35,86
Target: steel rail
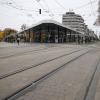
32,66
21,53
93,77
33,84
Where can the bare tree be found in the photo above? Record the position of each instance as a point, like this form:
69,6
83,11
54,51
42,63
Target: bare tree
23,27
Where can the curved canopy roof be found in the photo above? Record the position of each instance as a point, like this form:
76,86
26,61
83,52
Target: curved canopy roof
53,22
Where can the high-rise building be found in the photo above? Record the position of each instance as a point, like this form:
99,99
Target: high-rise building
74,21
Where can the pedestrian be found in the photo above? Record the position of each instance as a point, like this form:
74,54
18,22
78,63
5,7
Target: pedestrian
18,39
30,40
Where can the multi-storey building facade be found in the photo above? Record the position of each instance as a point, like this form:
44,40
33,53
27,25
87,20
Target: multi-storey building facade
74,21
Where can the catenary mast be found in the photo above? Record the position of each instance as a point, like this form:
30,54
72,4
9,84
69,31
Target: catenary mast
97,22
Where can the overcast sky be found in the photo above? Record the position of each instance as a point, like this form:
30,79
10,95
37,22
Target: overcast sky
14,13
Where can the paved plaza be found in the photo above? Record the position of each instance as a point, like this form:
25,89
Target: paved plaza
72,71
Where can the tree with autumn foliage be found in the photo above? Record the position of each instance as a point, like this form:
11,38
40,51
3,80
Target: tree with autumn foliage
2,35
9,31
10,34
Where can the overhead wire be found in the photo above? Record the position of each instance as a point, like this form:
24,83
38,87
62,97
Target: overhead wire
15,6
92,11
27,12
38,1
60,5
82,6
49,11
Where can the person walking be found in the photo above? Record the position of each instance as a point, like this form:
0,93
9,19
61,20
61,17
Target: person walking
18,39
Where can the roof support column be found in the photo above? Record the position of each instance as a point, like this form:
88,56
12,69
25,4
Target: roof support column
29,36
40,39
58,34
70,36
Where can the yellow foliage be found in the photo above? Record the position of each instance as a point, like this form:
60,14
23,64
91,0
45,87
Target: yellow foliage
2,35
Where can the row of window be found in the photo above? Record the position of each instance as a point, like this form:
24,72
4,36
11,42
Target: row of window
73,24
73,20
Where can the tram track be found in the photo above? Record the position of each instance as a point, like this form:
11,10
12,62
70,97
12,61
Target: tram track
21,53
35,51
88,89
31,85
88,92
32,66
91,86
